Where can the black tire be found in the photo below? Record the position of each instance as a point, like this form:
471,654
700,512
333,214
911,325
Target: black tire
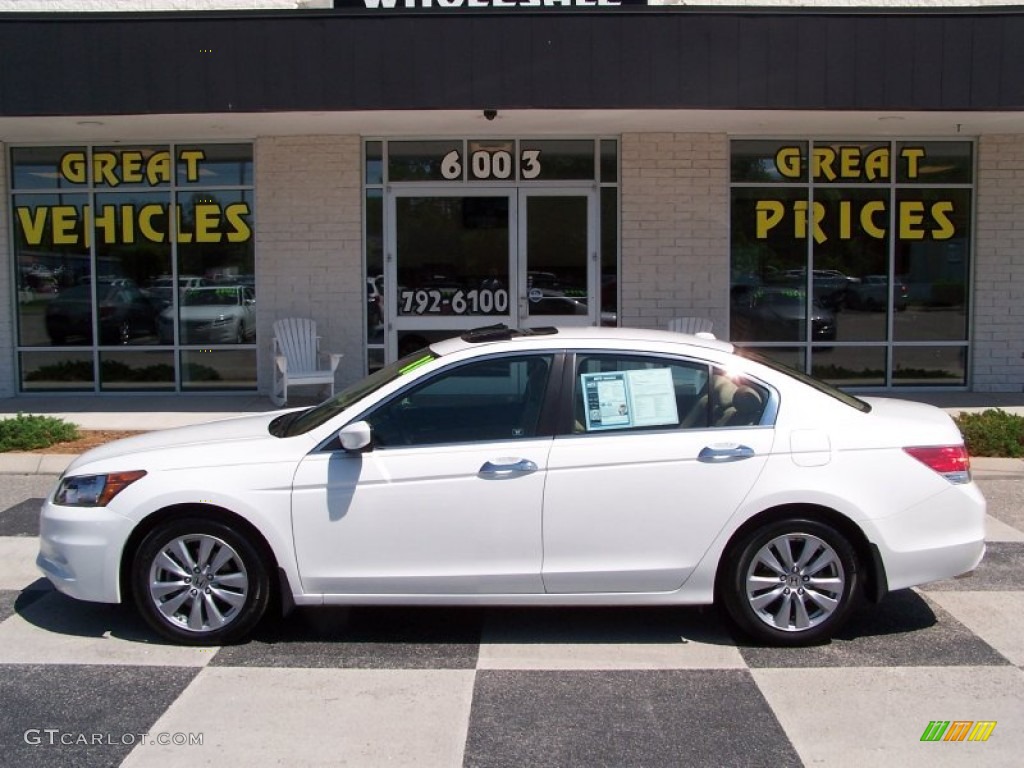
204,607
813,594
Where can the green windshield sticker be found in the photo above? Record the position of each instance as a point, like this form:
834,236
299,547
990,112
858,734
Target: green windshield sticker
415,364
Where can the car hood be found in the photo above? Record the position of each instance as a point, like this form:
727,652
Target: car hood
183,445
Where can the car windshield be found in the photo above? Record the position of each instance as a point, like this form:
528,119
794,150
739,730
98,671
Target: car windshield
818,384
204,297
312,418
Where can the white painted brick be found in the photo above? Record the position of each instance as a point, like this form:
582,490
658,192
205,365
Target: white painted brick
309,243
999,263
675,228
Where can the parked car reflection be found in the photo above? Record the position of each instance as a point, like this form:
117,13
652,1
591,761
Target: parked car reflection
161,289
872,294
212,315
124,313
831,287
779,314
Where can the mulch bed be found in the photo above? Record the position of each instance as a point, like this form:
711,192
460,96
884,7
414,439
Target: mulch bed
90,438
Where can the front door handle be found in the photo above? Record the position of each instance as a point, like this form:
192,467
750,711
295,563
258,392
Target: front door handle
507,467
725,453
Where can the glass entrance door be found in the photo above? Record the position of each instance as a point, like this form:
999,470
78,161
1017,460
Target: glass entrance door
557,258
485,256
451,267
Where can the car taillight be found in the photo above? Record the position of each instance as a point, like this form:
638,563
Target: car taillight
950,461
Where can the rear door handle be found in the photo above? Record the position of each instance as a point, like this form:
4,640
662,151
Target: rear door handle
506,467
725,453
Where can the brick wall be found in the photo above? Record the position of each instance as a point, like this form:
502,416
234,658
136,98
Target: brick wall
7,307
309,244
675,228
999,266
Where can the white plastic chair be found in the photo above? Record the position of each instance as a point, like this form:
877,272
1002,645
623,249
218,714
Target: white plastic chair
691,325
298,360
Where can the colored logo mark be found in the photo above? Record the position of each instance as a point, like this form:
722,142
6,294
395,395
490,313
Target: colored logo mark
958,730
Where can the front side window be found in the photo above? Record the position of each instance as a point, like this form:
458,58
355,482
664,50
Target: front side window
632,392
493,399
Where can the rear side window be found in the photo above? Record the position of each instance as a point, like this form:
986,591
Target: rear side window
735,401
636,392
617,392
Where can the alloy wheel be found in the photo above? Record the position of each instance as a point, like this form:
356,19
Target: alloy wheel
198,582
796,581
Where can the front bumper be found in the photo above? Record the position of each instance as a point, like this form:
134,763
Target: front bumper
80,550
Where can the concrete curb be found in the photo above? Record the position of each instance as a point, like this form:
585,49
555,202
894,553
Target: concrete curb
986,466
34,463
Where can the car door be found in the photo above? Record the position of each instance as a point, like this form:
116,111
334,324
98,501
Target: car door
659,454
449,498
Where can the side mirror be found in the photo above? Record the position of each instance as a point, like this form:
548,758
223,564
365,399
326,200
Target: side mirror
356,437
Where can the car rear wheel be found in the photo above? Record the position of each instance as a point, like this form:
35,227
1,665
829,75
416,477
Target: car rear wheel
200,582
792,582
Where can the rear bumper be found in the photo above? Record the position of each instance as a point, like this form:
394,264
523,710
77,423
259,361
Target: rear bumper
937,539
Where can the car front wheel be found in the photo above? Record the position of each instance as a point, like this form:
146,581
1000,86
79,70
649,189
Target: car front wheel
792,582
200,582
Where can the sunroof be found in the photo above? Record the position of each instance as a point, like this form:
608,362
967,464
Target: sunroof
501,332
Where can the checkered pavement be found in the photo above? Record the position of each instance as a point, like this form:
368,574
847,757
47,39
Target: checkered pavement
80,683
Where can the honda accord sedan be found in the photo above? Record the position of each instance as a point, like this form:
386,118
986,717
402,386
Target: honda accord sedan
577,466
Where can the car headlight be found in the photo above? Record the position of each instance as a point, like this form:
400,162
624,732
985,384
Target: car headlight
94,490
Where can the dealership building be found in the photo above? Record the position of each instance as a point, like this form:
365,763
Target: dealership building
839,188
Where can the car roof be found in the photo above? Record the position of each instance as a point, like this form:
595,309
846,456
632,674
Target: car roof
573,336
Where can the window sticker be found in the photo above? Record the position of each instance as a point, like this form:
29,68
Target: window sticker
622,399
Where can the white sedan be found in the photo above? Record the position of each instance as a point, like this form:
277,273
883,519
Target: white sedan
219,314
584,466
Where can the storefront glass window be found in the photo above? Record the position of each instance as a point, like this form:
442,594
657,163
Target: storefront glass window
374,162
65,371
425,160
609,161
145,167
214,165
853,249
116,263
35,168
609,256
452,255
765,162
932,261
51,246
934,162
374,218
133,371
557,159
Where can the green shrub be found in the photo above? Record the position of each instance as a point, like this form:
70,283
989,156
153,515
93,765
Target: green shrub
993,432
26,433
